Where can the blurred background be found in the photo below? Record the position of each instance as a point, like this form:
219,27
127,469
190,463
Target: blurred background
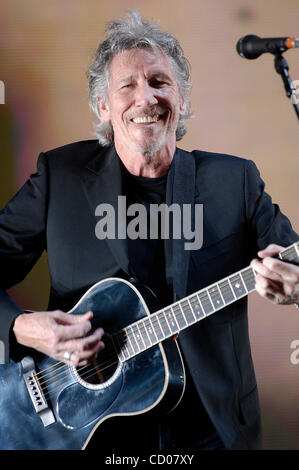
240,108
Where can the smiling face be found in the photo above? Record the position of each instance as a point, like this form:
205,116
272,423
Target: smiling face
144,103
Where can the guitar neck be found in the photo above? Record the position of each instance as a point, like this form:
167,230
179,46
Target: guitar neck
169,321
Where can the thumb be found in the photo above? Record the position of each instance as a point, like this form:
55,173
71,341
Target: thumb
271,250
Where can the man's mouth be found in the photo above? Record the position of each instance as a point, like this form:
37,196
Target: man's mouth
147,119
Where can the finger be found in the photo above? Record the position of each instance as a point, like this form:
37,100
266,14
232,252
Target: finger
260,268
69,318
288,272
269,291
82,344
78,358
86,353
268,284
78,330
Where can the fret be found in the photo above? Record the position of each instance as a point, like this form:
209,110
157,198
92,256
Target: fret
175,315
218,286
243,282
237,285
193,317
158,328
151,331
207,291
196,307
290,254
215,296
183,314
179,316
248,279
226,291
146,338
205,302
235,298
140,337
163,324
132,339
200,304
128,343
170,321
187,309
125,348
287,254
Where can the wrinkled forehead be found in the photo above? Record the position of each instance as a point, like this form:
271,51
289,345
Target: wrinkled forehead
132,61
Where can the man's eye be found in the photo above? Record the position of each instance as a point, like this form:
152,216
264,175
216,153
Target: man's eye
158,83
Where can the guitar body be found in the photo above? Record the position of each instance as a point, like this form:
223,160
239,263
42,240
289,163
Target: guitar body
78,400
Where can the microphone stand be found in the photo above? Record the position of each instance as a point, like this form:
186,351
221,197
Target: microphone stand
282,67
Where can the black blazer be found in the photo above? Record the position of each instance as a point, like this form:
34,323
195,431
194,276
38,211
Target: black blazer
55,211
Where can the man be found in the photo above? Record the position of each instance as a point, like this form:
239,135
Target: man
139,83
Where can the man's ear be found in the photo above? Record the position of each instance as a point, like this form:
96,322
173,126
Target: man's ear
183,107
104,110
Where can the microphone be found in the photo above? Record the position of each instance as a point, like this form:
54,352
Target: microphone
251,46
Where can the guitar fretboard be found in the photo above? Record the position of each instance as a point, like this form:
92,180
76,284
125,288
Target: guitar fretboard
169,321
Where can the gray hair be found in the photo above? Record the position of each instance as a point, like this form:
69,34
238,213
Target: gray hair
134,32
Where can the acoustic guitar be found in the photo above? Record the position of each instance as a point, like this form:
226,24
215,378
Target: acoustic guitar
45,404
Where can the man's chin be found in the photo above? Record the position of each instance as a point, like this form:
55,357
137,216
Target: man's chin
146,147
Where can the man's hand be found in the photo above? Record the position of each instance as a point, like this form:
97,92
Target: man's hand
54,333
276,280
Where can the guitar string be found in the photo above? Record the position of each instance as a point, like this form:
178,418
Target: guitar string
51,367
92,372
154,319
101,366
162,319
122,337
96,369
63,366
205,292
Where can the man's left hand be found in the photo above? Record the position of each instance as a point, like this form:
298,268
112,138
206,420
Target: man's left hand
276,280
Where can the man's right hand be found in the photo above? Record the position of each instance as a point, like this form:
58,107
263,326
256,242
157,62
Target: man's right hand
54,333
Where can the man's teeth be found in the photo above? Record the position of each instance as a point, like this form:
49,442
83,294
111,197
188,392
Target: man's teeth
138,120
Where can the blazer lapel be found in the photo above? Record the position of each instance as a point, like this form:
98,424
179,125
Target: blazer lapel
102,184
180,190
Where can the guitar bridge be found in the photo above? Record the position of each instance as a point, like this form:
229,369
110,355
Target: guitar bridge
35,392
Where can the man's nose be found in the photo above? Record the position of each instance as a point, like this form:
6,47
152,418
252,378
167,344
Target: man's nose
145,95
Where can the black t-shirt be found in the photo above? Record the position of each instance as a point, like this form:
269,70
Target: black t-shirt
147,261
147,255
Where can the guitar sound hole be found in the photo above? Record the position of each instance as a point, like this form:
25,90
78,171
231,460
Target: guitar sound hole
103,367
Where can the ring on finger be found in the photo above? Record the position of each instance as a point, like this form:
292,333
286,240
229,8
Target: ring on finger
67,355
